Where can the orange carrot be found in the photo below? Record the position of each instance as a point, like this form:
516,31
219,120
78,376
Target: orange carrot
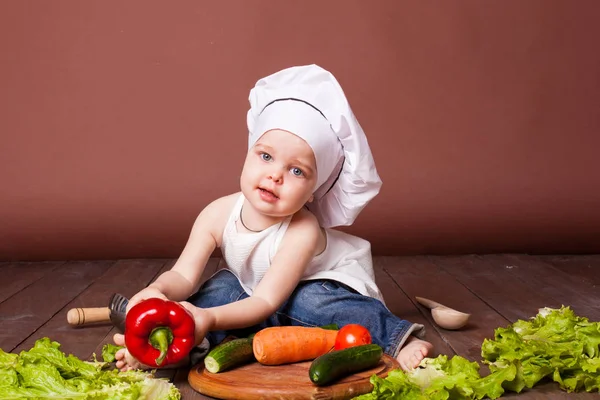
290,344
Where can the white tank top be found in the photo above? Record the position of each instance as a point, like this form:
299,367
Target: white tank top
346,259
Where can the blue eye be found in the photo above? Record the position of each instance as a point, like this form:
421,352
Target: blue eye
265,156
297,172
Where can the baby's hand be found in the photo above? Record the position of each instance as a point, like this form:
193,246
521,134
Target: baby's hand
202,320
144,294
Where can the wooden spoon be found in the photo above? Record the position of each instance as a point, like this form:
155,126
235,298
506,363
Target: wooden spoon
446,317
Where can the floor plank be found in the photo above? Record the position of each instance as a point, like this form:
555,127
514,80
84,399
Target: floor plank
419,276
496,289
401,305
508,285
554,286
496,285
125,277
586,267
17,276
22,314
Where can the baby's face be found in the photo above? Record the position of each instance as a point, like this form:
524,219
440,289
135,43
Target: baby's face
279,174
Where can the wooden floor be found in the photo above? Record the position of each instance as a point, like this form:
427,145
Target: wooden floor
495,289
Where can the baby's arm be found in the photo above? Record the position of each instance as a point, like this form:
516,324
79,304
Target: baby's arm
295,252
182,280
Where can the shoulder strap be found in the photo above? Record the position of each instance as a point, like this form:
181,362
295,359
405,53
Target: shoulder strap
283,226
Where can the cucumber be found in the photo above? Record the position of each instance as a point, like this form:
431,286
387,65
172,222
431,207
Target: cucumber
230,354
337,364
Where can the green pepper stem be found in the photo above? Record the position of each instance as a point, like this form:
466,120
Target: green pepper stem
161,338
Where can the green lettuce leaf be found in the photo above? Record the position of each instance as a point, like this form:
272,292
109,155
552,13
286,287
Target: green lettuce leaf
439,378
556,344
45,372
108,352
396,386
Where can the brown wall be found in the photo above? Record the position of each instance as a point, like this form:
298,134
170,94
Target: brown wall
120,120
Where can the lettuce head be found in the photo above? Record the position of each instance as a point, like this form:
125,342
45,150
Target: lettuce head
45,372
556,344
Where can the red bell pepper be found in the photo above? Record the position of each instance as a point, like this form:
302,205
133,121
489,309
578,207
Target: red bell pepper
159,332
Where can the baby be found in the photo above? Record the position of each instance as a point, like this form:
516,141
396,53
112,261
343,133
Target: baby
308,169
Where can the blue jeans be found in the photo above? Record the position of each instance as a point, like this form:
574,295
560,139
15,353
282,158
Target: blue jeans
313,303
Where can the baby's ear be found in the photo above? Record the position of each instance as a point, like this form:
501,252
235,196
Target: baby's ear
311,198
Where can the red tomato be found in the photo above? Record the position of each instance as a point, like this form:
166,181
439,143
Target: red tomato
352,335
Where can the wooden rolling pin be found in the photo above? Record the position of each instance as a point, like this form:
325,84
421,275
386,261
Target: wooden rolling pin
83,316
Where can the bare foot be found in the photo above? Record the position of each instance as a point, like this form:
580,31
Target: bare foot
125,361
413,352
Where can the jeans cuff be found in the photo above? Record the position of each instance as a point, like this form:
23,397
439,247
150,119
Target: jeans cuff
400,336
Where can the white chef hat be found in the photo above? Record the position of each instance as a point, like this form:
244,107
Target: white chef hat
309,102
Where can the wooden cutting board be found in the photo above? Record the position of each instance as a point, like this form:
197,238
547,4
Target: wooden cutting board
256,381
